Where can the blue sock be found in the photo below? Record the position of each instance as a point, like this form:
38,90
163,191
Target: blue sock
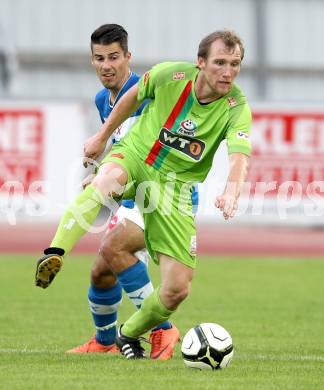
136,282
104,304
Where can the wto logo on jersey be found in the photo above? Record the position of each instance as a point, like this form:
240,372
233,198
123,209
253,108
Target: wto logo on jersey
191,147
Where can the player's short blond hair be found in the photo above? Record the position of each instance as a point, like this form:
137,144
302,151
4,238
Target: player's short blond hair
230,38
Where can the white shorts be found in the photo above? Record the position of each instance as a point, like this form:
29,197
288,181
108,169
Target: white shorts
135,216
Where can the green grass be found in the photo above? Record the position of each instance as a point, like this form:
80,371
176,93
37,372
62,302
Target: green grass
273,308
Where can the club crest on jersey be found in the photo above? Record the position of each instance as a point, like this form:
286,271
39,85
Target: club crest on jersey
187,127
179,76
191,147
241,134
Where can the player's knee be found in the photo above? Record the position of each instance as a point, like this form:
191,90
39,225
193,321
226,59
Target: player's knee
96,275
104,185
117,257
117,251
181,294
110,250
172,296
101,275
110,179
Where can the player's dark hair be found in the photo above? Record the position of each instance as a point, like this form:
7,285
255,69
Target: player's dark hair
110,33
229,38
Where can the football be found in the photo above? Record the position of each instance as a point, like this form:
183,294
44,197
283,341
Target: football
207,347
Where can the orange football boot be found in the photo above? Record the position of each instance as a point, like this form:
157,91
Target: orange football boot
163,342
92,346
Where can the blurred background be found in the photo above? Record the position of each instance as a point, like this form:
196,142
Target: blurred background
47,89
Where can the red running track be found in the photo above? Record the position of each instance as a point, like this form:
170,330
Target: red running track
212,239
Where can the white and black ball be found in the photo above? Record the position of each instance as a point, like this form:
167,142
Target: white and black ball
207,346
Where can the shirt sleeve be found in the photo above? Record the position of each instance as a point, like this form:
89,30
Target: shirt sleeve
99,102
238,132
148,82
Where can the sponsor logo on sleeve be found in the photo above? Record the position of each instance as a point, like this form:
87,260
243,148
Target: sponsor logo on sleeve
231,101
179,76
242,135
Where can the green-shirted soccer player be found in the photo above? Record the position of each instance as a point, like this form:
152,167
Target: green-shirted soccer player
172,145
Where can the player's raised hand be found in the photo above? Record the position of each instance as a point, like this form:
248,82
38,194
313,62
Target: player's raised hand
227,204
93,147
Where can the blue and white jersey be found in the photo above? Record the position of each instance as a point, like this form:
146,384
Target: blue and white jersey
105,107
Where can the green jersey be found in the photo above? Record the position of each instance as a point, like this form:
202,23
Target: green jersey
176,133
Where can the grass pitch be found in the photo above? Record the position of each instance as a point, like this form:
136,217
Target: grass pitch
273,308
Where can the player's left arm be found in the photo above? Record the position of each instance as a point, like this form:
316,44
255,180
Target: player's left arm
239,149
227,202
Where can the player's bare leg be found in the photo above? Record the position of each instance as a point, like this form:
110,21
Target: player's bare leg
175,285
117,257
106,281
117,251
175,281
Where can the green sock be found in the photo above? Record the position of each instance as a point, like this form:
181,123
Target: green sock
151,313
78,218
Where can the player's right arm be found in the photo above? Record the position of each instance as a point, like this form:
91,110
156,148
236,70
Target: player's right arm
128,104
